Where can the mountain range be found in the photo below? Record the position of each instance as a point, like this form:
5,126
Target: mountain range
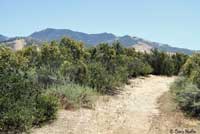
3,38
50,34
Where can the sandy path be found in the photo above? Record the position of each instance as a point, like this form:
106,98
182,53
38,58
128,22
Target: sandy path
130,112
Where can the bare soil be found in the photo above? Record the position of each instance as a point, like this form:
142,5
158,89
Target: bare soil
133,111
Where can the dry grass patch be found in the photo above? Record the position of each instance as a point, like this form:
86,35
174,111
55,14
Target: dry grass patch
171,118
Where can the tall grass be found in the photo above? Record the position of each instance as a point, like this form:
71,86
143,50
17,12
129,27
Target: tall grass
73,96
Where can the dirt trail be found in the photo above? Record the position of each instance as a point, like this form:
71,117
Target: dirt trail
130,112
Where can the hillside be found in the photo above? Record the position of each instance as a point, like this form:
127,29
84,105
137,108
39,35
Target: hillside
50,34
56,34
18,43
143,48
3,38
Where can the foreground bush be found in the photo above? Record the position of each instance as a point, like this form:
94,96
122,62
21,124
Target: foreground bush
187,89
20,99
187,96
191,69
73,95
191,65
46,107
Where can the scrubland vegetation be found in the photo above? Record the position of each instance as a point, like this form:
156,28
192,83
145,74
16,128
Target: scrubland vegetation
36,81
186,89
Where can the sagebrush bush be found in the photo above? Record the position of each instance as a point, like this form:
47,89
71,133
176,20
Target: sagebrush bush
46,77
73,95
187,96
187,88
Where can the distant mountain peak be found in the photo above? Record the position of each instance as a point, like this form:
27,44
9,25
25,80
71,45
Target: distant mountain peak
50,34
3,38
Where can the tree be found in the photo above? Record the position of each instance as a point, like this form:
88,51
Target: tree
51,56
32,54
73,47
165,64
118,48
19,95
106,55
75,72
179,60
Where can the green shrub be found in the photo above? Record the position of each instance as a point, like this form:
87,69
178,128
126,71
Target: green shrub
46,108
191,69
51,56
47,77
73,95
188,96
187,88
120,76
179,60
191,64
195,77
75,72
32,54
165,64
18,93
168,66
138,67
99,78
15,89
72,48
16,117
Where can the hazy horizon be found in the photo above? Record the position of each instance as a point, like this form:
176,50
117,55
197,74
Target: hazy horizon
169,22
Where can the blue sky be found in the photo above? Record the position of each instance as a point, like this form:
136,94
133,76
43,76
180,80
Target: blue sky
176,22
